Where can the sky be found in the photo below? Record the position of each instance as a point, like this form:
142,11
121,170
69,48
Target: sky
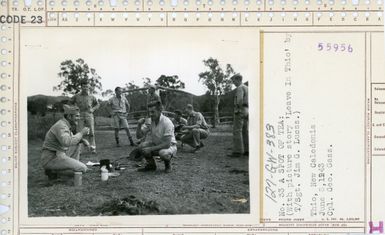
121,55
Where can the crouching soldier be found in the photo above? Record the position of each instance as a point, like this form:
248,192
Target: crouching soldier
160,140
61,148
196,129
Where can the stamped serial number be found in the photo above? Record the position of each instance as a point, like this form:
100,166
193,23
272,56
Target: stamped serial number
335,47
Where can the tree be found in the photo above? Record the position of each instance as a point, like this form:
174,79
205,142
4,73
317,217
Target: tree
146,81
172,82
73,74
108,93
38,106
217,81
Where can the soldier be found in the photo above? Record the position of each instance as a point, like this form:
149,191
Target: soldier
241,115
119,110
87,104
179,122
161,141
196,129
61,149
152,95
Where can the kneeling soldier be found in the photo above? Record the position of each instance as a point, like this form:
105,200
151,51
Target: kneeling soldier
196,129
61,149
161,140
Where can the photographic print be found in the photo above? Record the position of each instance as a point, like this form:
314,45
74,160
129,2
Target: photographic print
137,121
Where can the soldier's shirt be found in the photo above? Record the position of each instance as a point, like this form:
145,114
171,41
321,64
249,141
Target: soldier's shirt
241,98
179,122
59,137
119,105
85,102
196,118
158,133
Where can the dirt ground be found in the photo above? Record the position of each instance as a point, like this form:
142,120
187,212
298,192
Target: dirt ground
207,182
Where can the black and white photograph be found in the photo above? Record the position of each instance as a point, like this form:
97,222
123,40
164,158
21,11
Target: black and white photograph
124,122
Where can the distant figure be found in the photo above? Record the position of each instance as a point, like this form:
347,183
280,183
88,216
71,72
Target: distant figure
87,104
241,117
179,122
161,140
61,148
195,130
152,95
119,110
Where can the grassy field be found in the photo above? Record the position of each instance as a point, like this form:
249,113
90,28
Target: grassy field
201,183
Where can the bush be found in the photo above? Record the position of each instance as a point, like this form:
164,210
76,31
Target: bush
39,125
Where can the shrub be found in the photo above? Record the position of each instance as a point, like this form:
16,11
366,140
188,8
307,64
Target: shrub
39,125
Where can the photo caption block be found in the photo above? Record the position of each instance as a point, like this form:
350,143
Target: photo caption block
313,146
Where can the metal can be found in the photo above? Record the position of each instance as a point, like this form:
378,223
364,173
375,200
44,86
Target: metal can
104,173
78,178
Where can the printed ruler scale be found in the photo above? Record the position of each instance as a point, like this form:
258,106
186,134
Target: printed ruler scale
199,13
149,13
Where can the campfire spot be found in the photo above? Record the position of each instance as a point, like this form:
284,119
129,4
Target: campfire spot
129,206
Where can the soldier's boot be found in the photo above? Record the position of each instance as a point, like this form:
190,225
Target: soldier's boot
167,166
51,174
150,166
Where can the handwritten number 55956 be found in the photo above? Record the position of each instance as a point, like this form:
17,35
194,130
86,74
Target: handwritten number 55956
335,47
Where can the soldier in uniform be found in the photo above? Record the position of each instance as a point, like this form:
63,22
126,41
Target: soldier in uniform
179,122
196,129
241,116
161,140
119,110
87,104
152,95
61,148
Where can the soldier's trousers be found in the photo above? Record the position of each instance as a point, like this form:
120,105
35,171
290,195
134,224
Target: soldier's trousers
240,134
63,161
164,154
193,138
87,120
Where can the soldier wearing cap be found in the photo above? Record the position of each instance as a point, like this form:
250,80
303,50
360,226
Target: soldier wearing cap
196,129
61,148
119,110
241,115
87,104
160,140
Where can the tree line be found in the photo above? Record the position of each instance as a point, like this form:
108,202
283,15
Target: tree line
216,79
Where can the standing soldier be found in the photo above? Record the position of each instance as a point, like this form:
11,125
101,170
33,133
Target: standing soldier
152,95
119,110
87,104
241,117
61,148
